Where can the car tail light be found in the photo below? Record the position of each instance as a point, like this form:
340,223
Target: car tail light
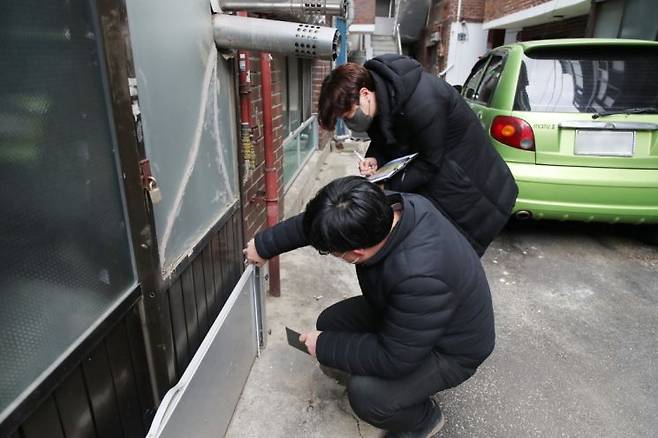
514,132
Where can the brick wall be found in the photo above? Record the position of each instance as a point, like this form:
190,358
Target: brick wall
499,8
319,70
569,28
364,11
254,182
433,56
472,10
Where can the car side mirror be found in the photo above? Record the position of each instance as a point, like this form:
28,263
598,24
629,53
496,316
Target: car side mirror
458,88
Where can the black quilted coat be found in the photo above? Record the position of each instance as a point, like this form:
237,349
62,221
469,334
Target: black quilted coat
426,283
457,168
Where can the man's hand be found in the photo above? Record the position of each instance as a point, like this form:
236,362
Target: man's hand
251,255
310,339
368,166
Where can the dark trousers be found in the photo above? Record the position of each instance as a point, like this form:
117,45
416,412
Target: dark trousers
395,405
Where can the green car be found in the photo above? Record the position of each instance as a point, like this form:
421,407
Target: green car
576,120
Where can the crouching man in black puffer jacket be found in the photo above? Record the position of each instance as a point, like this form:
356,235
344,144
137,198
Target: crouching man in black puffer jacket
425,320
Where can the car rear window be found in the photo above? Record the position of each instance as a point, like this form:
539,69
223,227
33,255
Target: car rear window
588,79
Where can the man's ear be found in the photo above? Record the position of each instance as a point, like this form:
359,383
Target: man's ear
364,91
359,252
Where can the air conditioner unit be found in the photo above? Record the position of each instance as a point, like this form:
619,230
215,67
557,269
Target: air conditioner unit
435,37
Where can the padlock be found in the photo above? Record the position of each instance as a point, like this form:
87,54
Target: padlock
154,191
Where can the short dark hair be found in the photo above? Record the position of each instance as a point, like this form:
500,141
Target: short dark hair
348,213
340,91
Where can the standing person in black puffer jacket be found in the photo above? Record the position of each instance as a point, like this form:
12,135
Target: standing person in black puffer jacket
405,110
425,320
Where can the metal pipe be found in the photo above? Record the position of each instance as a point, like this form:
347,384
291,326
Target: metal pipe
300,128
446,70
398,40
292,7
271,174
288,38
523,215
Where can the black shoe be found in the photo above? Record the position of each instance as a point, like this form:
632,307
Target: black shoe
434,425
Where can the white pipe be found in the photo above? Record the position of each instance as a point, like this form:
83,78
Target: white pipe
447,69
459,11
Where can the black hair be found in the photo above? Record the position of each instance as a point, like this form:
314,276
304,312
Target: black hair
348,213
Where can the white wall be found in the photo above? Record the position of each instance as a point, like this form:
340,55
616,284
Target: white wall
511,35
463,54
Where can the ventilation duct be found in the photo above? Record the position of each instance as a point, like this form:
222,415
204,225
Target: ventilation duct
288,7
293,39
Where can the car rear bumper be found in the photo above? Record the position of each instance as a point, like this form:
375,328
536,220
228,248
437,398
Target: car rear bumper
587,193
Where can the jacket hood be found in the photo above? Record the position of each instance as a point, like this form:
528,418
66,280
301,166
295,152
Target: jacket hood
396,78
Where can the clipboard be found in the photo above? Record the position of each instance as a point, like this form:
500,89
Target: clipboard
293,340
391,168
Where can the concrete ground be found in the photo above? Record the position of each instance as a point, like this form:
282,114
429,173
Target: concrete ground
577,347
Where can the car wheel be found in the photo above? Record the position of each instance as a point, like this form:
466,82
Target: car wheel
648,234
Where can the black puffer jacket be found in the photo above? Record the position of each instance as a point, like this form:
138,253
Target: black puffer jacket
427,284
457,168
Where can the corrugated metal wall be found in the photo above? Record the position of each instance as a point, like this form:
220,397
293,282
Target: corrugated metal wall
109,393
199,293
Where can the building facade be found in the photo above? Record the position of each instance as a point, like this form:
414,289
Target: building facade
130,184
459,32
455,33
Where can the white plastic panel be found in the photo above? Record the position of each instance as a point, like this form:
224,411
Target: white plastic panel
202,403
187,104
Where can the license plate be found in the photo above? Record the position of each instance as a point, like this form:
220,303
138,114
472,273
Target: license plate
605,143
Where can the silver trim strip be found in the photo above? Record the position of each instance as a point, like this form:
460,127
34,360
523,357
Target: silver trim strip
615,126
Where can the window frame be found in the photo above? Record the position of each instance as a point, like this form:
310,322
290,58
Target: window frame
522,101
503,60
296,84
481,64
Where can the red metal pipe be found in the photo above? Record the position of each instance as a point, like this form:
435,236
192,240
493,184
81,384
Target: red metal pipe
271,174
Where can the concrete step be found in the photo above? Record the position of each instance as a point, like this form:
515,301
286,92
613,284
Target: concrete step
383,48
384,44
384,51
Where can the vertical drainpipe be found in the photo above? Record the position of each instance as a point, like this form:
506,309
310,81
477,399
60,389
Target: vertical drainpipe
271,177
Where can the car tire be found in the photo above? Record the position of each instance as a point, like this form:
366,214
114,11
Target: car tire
648,234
